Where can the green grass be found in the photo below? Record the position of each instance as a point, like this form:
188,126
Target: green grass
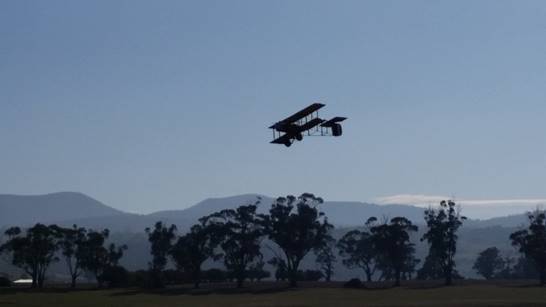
461,295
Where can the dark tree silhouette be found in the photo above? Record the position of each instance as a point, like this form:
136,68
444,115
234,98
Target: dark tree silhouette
443,224
392,242
326,258
297,227
193,248
524,268
160,239
532,242
489,263
32,252
71,241
356,247
240,231
96,258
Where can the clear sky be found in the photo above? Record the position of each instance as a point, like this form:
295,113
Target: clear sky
149,105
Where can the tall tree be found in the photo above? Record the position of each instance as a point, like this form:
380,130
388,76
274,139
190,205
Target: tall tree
96,258
326,258
489,263
71,241
443,224
160,238
356,247
532,242
195,247
392,242
297,227
240,231
32,252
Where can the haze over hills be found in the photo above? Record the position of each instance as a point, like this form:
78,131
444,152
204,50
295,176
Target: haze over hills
67,208
30,209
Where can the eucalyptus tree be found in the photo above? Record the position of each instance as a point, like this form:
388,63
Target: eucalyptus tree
32,250
443,224
195,247
97,258
161,241
240,232
392,243
489,263
356,248
532,242
71,242
296,226
326,258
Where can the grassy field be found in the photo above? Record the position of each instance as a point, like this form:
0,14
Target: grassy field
460,295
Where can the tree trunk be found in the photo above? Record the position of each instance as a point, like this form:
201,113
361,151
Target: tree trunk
99,280
293,272
449,277
196,278
241,275
34,279
397,277
293,281
368,276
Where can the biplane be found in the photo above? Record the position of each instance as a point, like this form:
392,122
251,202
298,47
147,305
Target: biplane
305,122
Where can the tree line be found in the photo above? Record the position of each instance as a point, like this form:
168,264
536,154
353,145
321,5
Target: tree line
382,249
297,228
34,249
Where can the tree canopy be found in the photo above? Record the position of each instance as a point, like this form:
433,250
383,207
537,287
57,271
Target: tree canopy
297,227
443,224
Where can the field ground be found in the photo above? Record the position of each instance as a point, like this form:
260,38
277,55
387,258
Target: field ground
265,295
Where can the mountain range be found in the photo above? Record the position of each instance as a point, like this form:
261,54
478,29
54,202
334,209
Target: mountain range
67,208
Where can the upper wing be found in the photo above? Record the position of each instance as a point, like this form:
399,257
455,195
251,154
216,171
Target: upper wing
299,115
332,121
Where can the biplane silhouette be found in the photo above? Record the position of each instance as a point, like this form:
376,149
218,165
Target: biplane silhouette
306,121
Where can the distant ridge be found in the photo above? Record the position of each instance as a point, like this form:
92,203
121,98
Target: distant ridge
18,210
67,208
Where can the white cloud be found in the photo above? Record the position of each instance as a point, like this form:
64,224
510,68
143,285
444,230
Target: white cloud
428,200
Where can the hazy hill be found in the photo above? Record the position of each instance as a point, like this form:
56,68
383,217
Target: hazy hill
67,208
212,205
31,209
516,220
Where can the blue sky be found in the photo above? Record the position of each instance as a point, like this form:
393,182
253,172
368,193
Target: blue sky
154,105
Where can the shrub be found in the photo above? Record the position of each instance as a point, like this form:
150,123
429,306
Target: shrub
354,283
5,282
214,275
116,276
